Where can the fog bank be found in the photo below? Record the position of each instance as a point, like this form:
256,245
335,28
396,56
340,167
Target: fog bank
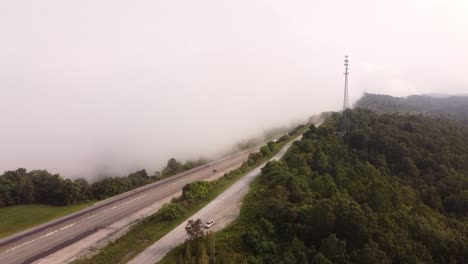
93,87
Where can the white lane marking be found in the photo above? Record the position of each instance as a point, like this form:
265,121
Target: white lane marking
70,225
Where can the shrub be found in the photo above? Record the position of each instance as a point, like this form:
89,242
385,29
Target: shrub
196,190
171,211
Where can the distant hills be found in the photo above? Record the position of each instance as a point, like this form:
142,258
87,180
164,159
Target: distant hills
452,106
442,95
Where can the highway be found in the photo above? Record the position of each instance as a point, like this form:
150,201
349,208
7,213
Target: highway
59,238
223,210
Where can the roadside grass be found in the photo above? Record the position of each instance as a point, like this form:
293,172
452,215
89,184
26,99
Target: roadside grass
17,218
154,227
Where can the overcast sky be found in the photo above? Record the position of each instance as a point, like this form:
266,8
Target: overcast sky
91,86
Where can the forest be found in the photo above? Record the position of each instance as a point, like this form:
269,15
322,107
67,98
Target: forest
455,107
394,189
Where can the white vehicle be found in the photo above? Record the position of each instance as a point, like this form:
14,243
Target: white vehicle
209,224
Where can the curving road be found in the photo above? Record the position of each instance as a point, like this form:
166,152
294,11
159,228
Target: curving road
60,240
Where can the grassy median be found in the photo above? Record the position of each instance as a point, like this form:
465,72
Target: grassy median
152,228
21,217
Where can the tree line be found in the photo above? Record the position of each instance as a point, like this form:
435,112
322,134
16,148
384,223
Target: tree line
40,186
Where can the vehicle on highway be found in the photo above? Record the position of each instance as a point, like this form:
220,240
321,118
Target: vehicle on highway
209,224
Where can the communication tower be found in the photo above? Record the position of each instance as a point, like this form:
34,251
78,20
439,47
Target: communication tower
346,121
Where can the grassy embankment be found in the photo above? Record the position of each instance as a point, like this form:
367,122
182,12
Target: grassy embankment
151,229
20,217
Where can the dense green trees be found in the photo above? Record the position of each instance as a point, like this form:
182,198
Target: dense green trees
22,187
40,186
393,190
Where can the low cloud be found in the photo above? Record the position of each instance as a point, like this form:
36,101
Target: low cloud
104,88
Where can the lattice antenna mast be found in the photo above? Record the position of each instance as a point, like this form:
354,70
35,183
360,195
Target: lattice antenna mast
346,73
346,98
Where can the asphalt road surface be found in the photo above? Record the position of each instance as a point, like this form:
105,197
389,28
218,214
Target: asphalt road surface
62,235
223,210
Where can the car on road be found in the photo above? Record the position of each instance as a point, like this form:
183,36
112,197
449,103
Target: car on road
209,224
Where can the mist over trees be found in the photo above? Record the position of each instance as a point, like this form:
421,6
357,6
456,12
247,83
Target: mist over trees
270,134
40,186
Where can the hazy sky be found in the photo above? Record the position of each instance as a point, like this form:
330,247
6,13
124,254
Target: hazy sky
89,86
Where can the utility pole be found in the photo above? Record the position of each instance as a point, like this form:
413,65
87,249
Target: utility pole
345,121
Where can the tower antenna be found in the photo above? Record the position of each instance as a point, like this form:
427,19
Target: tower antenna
345,124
